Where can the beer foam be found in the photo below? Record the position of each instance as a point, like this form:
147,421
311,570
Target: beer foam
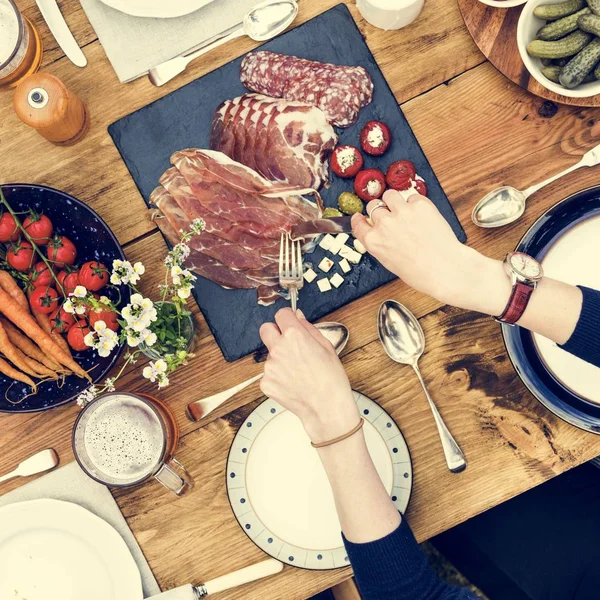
9,30
124,439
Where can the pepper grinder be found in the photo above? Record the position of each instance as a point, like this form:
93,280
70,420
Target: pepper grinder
43,102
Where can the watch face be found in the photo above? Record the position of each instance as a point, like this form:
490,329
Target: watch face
526,266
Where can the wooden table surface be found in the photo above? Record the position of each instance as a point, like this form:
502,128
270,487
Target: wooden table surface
478,130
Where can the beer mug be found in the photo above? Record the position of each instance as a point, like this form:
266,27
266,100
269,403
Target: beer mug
122,439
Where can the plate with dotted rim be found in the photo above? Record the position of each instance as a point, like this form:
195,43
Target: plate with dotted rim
279,491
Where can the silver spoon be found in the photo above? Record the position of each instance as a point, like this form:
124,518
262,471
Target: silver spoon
38,463
404,341
261,23
336,333
507,204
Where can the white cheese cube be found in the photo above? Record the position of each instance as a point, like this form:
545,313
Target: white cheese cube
324,285
345,265
309,276
337,280
339,241
352,255
359,247
325,265
327,241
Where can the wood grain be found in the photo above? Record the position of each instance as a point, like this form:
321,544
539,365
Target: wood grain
494,30
478,130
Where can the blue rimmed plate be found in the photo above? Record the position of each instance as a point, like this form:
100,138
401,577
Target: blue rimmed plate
566,240
94,241
279,491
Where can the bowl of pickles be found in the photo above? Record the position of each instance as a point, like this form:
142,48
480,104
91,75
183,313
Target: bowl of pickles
559,43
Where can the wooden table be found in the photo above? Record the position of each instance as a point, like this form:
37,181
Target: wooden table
478,131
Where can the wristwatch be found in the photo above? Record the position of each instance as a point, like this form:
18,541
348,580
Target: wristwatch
525,273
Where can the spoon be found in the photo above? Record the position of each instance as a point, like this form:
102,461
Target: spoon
336,333
507,204
404,341
38,463
261,23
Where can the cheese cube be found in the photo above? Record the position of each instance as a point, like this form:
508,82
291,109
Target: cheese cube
339,241
352,255
325,265
309,276
324,285
327,241
345,265
359,247
337,280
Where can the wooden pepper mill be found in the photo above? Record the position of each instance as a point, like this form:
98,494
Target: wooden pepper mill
43,102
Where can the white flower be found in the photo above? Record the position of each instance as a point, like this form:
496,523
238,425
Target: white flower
68,307
163,381
137,299
161,366
79,292
133,338
148,373
139,268
197,226
100,326
183,292
105,299
149,337
80,309
176,270
115,279
109,384
90,339
87,396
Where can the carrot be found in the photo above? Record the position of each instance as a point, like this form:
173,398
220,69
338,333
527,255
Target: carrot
11,309
13,354
13,373
44,322
9,285
26,346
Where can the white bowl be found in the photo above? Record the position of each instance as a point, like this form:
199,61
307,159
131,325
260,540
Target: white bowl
527,28
503,3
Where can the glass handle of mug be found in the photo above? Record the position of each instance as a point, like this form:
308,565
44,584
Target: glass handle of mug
174,476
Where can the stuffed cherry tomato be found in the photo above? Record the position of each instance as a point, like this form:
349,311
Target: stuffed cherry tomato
41,275
93,275
20,256
61,250
369,184
346,161
375,138
9,230
400,175
43,300
39,227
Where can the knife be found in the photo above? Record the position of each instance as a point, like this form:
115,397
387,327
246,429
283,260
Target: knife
319,226
226,582
60,30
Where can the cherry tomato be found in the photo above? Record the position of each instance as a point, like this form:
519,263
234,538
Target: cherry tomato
61,321
421,187
375,138
61,250
43,300
69,281
93,275
400,175
108,316
346,161
20,256
369,184
41,275
76,334
9,231
39,227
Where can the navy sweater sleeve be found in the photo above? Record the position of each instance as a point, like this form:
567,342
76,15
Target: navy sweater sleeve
585,340
395,568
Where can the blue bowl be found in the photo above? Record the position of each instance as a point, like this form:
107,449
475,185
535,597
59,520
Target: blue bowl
94,241
520,346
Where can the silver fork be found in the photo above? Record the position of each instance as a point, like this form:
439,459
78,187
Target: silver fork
290,267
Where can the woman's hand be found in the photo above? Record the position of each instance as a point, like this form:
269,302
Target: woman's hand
304,374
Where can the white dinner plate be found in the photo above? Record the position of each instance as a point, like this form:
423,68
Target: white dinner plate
279,491
54,550
162,9
573,259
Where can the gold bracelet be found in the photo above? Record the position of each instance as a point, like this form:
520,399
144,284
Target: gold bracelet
341,438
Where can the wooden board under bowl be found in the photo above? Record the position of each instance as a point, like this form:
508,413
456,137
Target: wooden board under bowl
494,30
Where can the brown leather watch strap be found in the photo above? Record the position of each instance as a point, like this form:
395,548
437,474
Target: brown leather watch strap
517,303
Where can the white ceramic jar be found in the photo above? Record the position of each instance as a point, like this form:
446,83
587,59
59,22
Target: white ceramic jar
390,14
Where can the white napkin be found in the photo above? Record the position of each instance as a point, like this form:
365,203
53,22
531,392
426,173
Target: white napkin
134,45
71,484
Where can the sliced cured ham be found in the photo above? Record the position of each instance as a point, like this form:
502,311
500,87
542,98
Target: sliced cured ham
284,141
244,215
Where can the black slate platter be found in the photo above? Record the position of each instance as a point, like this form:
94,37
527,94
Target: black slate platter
147,138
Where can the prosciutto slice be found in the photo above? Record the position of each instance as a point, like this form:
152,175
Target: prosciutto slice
284,141
244,213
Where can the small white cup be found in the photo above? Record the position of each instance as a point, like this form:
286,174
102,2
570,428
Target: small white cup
390,14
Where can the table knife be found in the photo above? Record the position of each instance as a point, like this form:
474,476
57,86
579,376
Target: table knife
60,30
319,226
226,582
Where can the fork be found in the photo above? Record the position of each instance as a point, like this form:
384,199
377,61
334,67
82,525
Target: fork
290,267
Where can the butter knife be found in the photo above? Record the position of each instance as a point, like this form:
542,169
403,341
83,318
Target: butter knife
60,30
318,226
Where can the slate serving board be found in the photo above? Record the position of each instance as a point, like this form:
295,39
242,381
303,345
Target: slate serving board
147,138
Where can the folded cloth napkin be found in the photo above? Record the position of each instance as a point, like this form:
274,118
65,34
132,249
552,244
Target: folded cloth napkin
71,484
134,45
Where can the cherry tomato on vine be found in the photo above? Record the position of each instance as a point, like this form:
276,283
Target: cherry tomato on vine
93,275
9,230
39,227
76,334
69,281
20,256
61,321
108,316
43,300
41,275
61,250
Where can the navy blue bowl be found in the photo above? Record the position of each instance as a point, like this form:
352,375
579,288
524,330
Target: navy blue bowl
94,241
520,346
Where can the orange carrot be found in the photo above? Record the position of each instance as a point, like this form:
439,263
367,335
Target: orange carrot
9,285
13,354
13,373
11,309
